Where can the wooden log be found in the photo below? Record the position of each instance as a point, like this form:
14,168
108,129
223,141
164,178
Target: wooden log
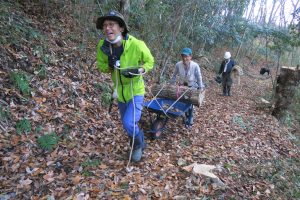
173,92
287,83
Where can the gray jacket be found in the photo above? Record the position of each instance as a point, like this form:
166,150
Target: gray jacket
190,76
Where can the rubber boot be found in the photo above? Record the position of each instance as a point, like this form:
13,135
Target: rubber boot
190,118
138,147
228,91
224,91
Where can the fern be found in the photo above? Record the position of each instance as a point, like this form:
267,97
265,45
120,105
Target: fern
48,141
23,126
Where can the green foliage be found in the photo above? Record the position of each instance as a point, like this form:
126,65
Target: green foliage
286,177
23,126
105,93
106,99
4,113
105,88
91,163
14,26
88,165
291,115
41,73
20,80
244,125
48,141
185,142
38,129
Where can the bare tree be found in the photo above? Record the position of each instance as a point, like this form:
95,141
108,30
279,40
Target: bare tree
125,8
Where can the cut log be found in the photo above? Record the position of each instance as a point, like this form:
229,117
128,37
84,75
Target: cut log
173,92
287,83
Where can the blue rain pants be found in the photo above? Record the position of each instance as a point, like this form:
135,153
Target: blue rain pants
130,119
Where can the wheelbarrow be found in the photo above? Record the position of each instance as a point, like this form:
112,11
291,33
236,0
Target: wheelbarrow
166,109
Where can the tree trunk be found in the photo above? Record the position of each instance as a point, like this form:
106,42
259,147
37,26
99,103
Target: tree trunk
285,90
175,32
124,8
191,95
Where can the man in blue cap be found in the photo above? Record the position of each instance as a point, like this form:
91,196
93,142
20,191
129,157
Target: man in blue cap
189,75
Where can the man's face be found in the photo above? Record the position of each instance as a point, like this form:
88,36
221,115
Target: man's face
112,29
186,59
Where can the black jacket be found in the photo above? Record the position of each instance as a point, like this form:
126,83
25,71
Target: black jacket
230,65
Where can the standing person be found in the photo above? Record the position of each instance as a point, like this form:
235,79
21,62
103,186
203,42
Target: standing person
189,75
126,58
225,69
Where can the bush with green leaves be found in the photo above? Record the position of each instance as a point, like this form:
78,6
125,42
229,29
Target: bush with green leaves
105,93
20,80
23,126
48,141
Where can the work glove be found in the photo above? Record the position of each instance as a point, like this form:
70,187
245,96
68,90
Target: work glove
112,61
127,72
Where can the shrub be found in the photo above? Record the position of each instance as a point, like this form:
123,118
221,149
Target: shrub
20,80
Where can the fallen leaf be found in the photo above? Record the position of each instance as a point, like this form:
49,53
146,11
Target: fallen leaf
76,179
25,182
49,176
205,170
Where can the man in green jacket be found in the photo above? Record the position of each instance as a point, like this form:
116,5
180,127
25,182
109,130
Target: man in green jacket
127,59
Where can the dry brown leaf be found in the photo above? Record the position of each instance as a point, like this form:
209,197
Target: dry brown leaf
49,176
76,179
25,182
126,197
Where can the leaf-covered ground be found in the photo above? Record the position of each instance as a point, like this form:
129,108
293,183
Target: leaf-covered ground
258,156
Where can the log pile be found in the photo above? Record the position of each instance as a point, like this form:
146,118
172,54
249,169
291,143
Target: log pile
173,92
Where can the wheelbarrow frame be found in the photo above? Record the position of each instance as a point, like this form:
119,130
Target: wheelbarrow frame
157,106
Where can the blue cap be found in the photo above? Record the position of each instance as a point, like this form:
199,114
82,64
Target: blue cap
186,51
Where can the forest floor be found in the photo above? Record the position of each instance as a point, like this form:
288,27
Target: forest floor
257,157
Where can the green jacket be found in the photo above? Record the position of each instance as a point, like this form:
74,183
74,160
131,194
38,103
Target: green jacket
135,55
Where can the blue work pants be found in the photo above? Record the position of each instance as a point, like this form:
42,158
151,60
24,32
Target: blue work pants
130,115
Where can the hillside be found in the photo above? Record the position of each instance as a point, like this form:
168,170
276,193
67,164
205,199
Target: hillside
50,86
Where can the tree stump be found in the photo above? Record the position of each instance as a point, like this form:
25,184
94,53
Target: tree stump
287,83
173,92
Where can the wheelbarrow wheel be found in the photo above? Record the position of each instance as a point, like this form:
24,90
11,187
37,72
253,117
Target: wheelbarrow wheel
157,128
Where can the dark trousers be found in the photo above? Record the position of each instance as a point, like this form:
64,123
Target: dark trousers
226,83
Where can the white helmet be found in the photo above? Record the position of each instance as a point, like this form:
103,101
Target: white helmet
227,55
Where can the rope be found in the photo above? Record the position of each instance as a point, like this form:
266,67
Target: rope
178,98
155,99
132,145
171,106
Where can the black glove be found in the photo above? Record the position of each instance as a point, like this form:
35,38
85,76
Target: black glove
127,72
112,61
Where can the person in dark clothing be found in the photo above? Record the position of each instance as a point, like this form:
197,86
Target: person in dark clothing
225,69
264,70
